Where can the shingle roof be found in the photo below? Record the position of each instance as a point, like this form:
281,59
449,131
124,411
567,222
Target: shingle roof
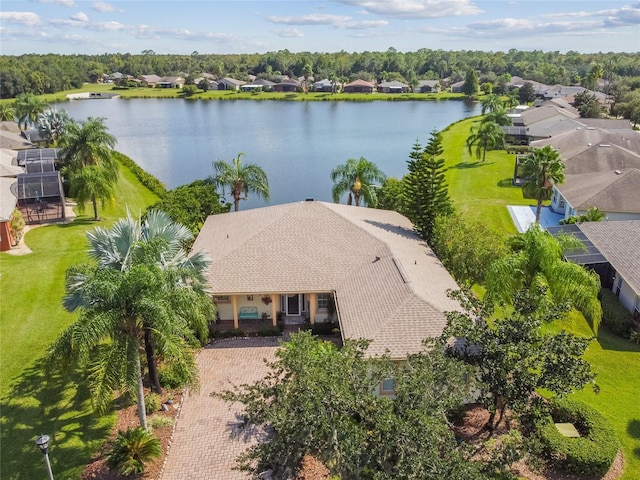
609,191
361,83
389,286
619,242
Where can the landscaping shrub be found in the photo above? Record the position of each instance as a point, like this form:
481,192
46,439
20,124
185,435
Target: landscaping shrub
148,180
269,332
131,450
326,328
16,225
171,377
615,317
590,454
152,403
160,421
236,332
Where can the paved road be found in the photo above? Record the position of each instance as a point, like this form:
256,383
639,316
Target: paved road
202,446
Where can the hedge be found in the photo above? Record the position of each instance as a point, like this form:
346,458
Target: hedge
615,317
148,180
590,454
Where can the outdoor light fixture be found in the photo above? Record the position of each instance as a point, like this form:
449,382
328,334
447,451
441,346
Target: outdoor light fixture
43,444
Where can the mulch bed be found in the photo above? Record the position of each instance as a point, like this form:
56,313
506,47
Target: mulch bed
128,417
473,430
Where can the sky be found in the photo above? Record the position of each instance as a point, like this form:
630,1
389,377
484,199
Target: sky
239,26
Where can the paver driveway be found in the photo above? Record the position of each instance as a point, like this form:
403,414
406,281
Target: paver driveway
202,447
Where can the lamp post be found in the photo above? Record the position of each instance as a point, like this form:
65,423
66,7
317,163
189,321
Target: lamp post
43,444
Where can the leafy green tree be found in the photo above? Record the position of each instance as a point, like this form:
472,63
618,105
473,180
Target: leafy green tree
28,108
471,85
512,357
307,73
131,450
426,191
526,93
118,306
390,195
7,112
629,106
542,169
487,135
240,179
588,105
513,99
537,259
593,214
319,400
466,247
359,177
84,145
191,204
189,90
203,85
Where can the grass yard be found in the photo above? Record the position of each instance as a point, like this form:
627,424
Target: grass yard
32,317
483,190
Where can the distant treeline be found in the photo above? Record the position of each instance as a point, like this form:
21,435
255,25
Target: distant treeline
51,73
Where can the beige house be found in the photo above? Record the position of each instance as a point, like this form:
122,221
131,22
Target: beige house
388,285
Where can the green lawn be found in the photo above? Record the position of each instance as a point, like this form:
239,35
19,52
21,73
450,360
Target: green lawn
483,190
32,316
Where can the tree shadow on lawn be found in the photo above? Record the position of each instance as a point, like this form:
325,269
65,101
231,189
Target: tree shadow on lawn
476,164
506,183
610,341
59,406
633,429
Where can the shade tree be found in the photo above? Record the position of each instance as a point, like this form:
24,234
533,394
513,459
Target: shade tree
485,136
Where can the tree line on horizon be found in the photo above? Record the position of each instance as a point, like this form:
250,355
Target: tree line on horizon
50,73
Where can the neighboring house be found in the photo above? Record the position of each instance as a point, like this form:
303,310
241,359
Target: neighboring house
325,85
228,83
613,251
394,87
427,86
213,85
359,86
161,82
457,87
149,80
8,202
258,85
287,85
388,285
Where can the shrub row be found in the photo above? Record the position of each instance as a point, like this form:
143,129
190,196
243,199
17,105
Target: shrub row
615,317
326,328
590,454
148,180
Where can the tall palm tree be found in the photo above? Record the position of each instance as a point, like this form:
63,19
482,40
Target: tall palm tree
542,169
115,248
491,103
499,116
360,178
487,135
537,259
241,179
118,307
89,163
28,107
7,112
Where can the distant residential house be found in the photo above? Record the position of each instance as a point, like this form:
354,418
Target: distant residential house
208,76
287,85
359,86
228,83
258,85
325,85
161,82
393,87
213,85
427,86
457,87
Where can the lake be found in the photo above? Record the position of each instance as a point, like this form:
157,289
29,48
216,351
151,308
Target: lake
296,143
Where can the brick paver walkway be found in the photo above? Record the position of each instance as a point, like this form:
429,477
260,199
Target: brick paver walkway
202,446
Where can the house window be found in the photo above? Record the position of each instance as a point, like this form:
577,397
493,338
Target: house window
221,298
562,202
388,386
323,301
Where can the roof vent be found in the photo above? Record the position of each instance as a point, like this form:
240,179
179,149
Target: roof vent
605,145
591,128
617,172
588,144
308,200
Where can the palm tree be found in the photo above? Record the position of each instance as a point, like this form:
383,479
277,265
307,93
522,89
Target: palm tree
491,103
499,116
512,99
7,112
53,123
487,135
119,306
89,164
241,179
542,169
115,248
360,178
537,259
28,108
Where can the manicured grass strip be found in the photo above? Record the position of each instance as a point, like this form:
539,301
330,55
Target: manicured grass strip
32,317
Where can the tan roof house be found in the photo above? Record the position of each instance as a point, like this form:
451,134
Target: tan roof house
359,86
388,285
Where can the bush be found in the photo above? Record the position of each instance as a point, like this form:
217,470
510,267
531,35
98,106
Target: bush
326,328
590,454
269,332
16,225
615,317
152,403
148,180
236,332
131,450
171,377
160,421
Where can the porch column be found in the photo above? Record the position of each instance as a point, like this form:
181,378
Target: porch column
274,297
234,303
313,302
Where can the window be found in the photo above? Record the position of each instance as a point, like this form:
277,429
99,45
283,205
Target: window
388,386
221,298
323,301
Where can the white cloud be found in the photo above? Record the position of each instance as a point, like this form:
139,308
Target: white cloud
66,3
417,8
80,17
289,33
103,7
337,21
107,26
28,19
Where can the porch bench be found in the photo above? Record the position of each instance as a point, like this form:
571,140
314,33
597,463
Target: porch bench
248,313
